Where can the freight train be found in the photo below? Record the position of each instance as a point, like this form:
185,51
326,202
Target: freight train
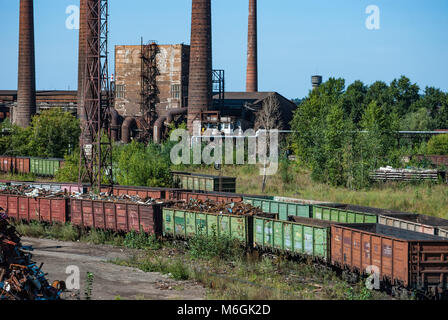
408,252
38,166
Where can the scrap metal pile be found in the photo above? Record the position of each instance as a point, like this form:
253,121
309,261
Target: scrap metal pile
20,277
30,191
210,206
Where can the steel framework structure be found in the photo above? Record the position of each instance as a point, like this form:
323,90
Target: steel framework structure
149,72
96,143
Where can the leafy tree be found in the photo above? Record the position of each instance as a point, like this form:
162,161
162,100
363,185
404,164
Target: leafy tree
309,119
55,133
419,120
379,92
143,166
404,94
334,145
438,145
354,101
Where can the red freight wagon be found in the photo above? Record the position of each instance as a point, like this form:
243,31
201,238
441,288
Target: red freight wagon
117,216
7,163
215,196
404,260
35,209
22,165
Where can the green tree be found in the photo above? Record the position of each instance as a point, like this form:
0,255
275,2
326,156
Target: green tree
404,94
310,117
334,145
419,120
54,133
138,165
438,145
354,101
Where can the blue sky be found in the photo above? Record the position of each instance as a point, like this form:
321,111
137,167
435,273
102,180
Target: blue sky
297,38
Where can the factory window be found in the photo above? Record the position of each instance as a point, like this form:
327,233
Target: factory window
175,91
119,91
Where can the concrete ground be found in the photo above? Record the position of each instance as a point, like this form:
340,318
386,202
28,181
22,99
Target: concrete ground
110,281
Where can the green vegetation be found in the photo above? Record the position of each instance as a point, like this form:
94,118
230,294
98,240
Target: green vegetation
140,165
424,198
248,276
341,135
52,134
438,145
227,272
89,286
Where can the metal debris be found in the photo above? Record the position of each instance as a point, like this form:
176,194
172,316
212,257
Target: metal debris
20,277
30,191
231,208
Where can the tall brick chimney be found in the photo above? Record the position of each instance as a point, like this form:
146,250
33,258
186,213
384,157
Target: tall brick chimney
26,88
200,82
252,49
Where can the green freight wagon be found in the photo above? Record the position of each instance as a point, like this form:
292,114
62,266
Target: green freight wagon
303,236
346,213
44,167
285,207
343,214
187,224
202,182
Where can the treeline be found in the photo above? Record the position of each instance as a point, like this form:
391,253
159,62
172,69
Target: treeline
343,134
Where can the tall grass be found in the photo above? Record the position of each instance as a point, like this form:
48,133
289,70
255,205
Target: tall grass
290,181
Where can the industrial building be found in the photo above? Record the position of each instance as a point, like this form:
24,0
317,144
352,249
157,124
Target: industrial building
154,84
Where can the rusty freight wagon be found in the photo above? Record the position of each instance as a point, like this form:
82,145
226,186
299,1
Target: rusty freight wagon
404,260
416,222
53,209
203,182
142,192
116,216
7,164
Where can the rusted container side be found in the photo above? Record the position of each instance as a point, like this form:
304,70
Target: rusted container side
117,216
142,192
214,196
416,222
22,165
388,251
7,163
35,209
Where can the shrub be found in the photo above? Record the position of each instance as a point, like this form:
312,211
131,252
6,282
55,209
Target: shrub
216,246
140,240
438,145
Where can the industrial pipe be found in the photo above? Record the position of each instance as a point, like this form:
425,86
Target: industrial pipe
114,124
126,128
158,125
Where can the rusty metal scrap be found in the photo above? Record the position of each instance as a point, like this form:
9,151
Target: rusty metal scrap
210,206
30,191
20,277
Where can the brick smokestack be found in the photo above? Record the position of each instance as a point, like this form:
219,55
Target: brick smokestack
26,89
252,49
200,82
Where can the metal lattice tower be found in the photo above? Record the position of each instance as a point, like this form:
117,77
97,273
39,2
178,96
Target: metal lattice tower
96,143
149,72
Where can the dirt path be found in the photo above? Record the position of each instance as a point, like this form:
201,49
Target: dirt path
110,280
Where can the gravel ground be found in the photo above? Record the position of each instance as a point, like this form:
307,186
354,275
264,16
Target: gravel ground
110,281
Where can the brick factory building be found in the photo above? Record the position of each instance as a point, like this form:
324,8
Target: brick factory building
169,66
171,83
